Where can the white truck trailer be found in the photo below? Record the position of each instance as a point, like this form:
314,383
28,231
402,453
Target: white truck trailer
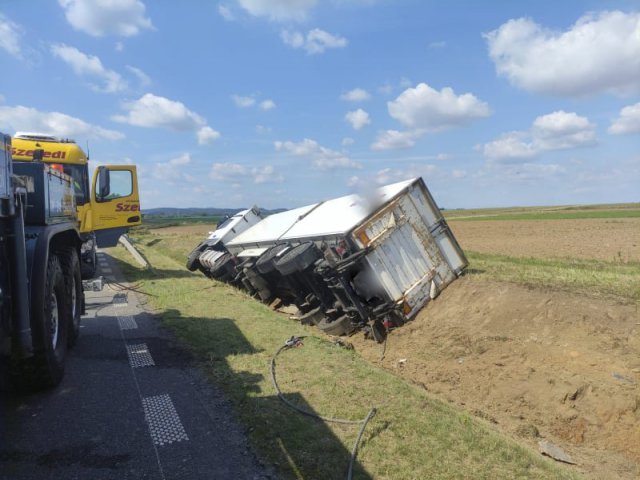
369,261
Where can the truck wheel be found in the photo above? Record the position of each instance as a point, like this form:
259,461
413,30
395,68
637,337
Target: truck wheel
193,261
49,330
73,280
89,264
340,326
298,258
265,263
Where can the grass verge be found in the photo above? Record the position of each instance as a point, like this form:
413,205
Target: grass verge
233,337
617,280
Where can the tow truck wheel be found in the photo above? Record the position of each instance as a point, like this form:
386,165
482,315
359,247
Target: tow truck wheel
73,280
49,330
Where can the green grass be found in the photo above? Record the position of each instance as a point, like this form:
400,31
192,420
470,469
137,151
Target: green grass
233,337
627,210
618,280
161,221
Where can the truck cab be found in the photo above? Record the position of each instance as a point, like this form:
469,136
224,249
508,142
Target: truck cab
107,206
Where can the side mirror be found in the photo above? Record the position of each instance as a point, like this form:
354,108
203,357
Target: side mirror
103,183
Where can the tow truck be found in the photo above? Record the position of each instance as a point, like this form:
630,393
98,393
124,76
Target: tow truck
103,217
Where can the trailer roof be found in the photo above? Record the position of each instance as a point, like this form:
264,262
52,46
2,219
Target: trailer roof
339,215
272,227
333,217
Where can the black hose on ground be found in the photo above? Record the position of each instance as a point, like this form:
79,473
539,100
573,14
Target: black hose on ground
296,341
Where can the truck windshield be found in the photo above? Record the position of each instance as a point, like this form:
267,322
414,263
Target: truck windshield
80,181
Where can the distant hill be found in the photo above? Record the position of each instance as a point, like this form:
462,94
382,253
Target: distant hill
195,212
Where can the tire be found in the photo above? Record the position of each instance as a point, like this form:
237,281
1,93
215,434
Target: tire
49,331
340,326
192,260
265,263
89,264
73,281
298,258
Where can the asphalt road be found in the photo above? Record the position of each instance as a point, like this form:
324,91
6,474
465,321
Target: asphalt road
131,406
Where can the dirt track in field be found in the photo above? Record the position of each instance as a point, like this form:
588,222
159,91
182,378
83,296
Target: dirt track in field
601,239
537,364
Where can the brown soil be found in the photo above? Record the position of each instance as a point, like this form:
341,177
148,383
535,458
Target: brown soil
537,364
601,239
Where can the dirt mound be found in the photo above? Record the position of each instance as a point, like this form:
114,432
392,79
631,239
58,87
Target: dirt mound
536,363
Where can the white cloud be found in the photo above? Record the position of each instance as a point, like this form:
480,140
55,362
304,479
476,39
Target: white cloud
561,130
172,171
355,95
10,34
262,130
600,53
243,101
267,104
207,135
386,89
279,10
438,44
226,171
152,111
425,108
347,141
226,13
248,101
21,118
236,172
321,158
119,47
266,174
394,139
98,18
142,77
628,121
555,131
358,118
386,176
85,65
316,41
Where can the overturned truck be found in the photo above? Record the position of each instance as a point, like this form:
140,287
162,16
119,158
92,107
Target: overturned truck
369,261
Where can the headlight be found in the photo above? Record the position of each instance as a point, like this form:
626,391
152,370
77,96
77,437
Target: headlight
87,246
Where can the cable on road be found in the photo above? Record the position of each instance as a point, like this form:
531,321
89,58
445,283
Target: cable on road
294,342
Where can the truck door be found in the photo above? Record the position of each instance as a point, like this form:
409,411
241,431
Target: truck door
115,202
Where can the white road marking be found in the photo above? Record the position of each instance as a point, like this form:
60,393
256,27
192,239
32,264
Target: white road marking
139,355
163,420
127,322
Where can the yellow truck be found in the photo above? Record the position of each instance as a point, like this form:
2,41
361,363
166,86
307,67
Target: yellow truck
106,210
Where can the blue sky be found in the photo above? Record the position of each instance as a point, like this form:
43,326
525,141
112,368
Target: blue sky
282,103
